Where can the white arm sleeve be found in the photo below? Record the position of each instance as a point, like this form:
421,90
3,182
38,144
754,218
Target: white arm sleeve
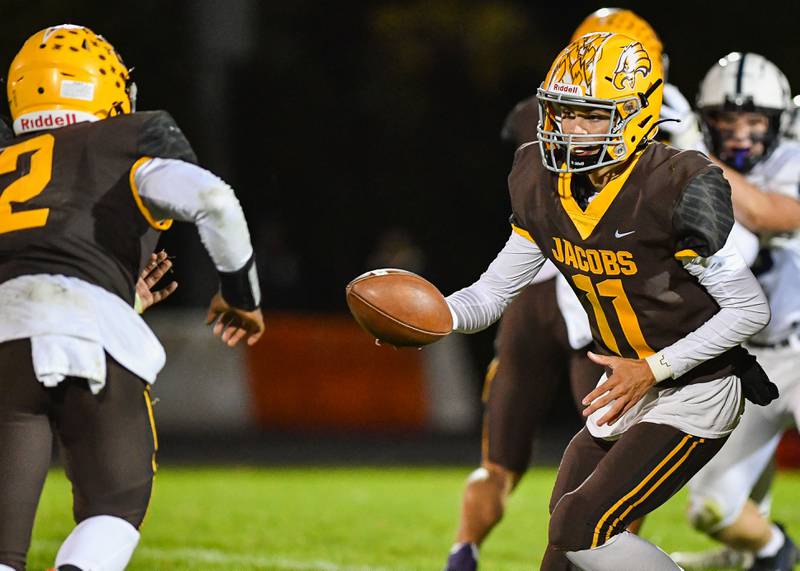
176,189
478,306
743,311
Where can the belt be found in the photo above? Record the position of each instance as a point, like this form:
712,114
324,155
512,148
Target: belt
776,345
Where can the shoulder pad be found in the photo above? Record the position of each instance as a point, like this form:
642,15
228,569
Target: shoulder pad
526,149
703,217
521,124
159,136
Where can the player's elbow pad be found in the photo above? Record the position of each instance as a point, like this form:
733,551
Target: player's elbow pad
240,288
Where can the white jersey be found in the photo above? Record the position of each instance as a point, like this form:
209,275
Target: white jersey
728,479
779,269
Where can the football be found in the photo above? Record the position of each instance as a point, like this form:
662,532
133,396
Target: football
399,307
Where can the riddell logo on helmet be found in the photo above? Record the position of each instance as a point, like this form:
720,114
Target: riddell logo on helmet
567,88
40,120
48,121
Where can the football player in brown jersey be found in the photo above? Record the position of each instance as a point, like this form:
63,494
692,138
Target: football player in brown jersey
87,186
541,343
640,232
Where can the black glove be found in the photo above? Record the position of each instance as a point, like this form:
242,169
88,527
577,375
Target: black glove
756,386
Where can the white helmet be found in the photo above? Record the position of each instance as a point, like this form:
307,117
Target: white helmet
744,82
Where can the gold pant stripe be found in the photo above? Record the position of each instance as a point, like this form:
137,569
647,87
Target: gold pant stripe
149,404
636,490
669,472
491,373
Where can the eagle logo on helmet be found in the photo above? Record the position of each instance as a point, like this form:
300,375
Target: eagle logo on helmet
633,59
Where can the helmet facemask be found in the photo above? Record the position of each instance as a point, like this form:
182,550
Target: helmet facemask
742,83
559,149
742,159
604,72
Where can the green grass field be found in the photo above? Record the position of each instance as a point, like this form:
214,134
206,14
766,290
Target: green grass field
365,519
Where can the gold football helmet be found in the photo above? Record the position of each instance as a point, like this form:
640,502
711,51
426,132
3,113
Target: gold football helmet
66,74
606,71
619,21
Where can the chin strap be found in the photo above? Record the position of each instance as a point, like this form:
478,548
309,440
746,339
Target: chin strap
646,139
644,98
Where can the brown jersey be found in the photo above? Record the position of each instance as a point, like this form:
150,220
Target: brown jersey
68,203
621,253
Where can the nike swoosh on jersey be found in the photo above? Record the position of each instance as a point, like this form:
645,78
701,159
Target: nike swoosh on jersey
619,234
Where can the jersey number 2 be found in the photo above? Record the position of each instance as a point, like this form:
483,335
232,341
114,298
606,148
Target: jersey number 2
28,185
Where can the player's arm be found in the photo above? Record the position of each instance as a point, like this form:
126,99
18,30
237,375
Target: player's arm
179,190
478,306
703,219
759,210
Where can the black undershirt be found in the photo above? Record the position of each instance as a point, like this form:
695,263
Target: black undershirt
582,190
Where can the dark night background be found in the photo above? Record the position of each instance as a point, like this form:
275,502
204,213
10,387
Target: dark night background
355,130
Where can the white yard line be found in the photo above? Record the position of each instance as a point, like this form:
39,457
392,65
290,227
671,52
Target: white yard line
230,560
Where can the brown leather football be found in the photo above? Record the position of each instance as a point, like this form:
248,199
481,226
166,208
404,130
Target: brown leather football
399,307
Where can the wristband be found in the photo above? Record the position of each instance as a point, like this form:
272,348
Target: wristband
240,289
659,366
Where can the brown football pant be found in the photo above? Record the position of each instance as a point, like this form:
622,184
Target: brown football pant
108,446
534,359
602,486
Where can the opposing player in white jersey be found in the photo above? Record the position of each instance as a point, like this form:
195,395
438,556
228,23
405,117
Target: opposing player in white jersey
743,104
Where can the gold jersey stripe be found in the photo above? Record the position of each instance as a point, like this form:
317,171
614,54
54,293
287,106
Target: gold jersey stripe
686,255
157,224
585,221
636,490
522,232
669,472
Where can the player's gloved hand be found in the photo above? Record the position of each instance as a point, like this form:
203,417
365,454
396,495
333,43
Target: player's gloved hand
683,130
756,386
675,106
233,324
628,381
152,273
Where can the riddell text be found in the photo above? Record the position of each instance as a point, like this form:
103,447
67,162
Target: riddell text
48,121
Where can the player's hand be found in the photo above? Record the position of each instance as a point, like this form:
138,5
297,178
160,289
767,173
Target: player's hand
152,273
233,324
677,108
628,382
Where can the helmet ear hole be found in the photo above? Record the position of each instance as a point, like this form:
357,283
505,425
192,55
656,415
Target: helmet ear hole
40,90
